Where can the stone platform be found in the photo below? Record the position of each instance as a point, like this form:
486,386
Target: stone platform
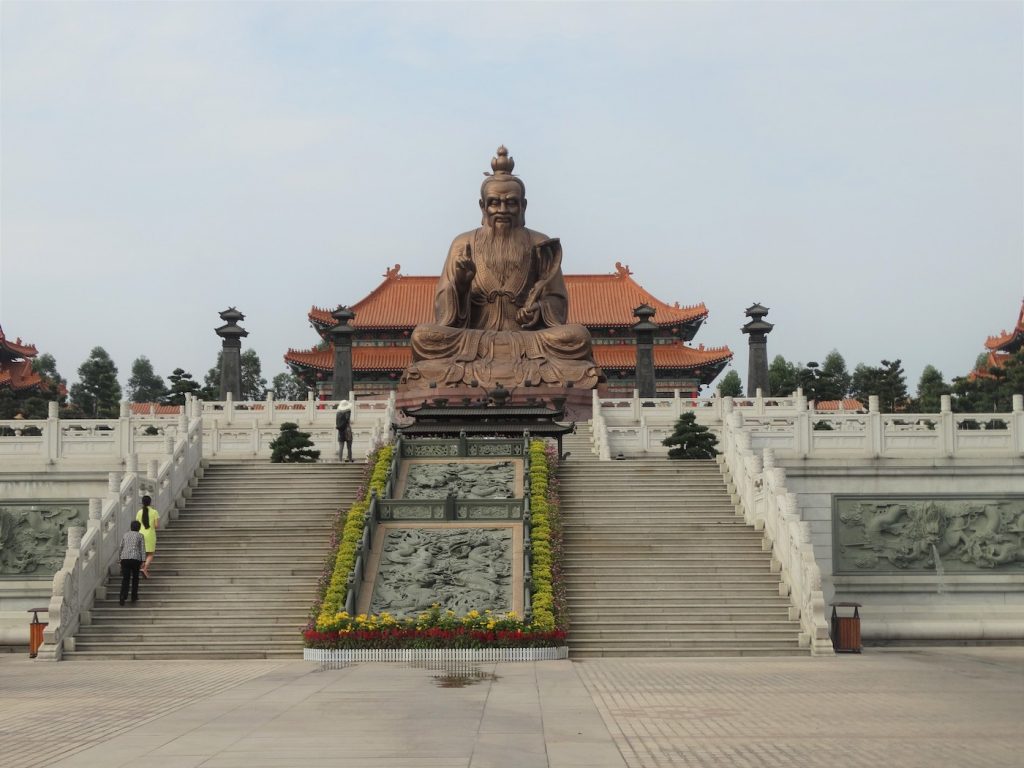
578,402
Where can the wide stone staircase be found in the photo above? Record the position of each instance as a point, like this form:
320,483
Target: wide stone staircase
657,563
235,575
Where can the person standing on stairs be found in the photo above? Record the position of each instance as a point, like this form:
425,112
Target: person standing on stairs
132,553
343,423
149,518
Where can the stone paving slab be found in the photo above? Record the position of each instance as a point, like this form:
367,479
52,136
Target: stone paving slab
901,708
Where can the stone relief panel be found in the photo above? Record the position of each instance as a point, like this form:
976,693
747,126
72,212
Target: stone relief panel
428,450
34,537
950,533
463,480
461,569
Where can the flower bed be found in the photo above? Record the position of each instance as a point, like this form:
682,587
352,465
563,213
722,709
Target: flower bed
348,530
336,630
431,629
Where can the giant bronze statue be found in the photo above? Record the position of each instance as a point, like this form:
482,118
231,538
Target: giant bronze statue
501,306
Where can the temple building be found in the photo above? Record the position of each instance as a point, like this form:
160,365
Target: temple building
384,321
1001,347
16,371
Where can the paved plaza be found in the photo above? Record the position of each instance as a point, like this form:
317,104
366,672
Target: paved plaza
934,707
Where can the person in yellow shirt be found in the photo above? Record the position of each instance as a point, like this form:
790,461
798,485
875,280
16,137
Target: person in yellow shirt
149,518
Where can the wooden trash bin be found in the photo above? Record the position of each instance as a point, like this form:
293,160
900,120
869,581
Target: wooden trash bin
846,629
35,631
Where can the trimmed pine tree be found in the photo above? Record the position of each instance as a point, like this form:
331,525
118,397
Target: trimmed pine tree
292,445
691,440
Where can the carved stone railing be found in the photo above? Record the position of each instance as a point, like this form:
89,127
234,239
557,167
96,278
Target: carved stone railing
93,551
231,430
761,493
793,430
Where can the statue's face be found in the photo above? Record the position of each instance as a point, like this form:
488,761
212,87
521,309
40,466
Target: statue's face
503,205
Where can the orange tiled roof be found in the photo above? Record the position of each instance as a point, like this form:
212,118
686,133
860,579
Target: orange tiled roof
1007,338
18,375
676,355
611,356
364,358
16,348
405,301
847,404
142,409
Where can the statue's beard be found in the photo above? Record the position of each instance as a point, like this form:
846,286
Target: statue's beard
505,251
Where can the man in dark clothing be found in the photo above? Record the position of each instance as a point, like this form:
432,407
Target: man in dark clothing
133,552
343,423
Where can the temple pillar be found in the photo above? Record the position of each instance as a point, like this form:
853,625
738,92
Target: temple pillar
646,382
231,335
757,357
341,336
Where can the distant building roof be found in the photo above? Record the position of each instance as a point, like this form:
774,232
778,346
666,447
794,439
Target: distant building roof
405,301
1008,341
848,404
16,364
609,356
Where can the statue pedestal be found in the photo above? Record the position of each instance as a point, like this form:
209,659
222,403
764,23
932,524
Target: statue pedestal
578,402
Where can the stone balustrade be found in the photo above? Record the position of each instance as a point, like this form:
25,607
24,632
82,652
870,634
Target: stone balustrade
231,430
759,488
792,430
93,551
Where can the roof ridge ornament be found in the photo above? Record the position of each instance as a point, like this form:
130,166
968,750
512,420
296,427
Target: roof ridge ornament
622,270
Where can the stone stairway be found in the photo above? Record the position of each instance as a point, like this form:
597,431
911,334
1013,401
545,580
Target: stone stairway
235,575
657,563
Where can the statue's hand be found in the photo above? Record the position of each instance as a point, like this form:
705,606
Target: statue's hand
528,315
465,269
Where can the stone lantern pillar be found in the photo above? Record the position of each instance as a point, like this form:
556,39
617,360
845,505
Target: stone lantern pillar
757,359
341,336
231,335
646,383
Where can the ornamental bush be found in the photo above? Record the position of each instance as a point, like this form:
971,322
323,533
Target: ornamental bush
292,446
691,440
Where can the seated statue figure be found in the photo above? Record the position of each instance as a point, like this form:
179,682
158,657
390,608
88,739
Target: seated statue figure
501,304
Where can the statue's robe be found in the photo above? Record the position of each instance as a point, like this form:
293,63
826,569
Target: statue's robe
476,336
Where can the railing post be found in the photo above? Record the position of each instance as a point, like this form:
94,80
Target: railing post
635,409
947,426
270,406
53,436
125,438
874,428
229,408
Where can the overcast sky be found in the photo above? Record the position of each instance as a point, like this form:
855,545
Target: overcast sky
856,167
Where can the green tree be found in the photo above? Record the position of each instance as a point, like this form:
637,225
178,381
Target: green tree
691,440
288,386
182,384
254,386
46,366
834,383
144,386
888,381
97,393
782,377
731,385
930,388
291,445
809,379
992,389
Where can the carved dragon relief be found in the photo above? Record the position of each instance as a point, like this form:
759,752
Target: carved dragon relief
460,569
966,534
33,537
